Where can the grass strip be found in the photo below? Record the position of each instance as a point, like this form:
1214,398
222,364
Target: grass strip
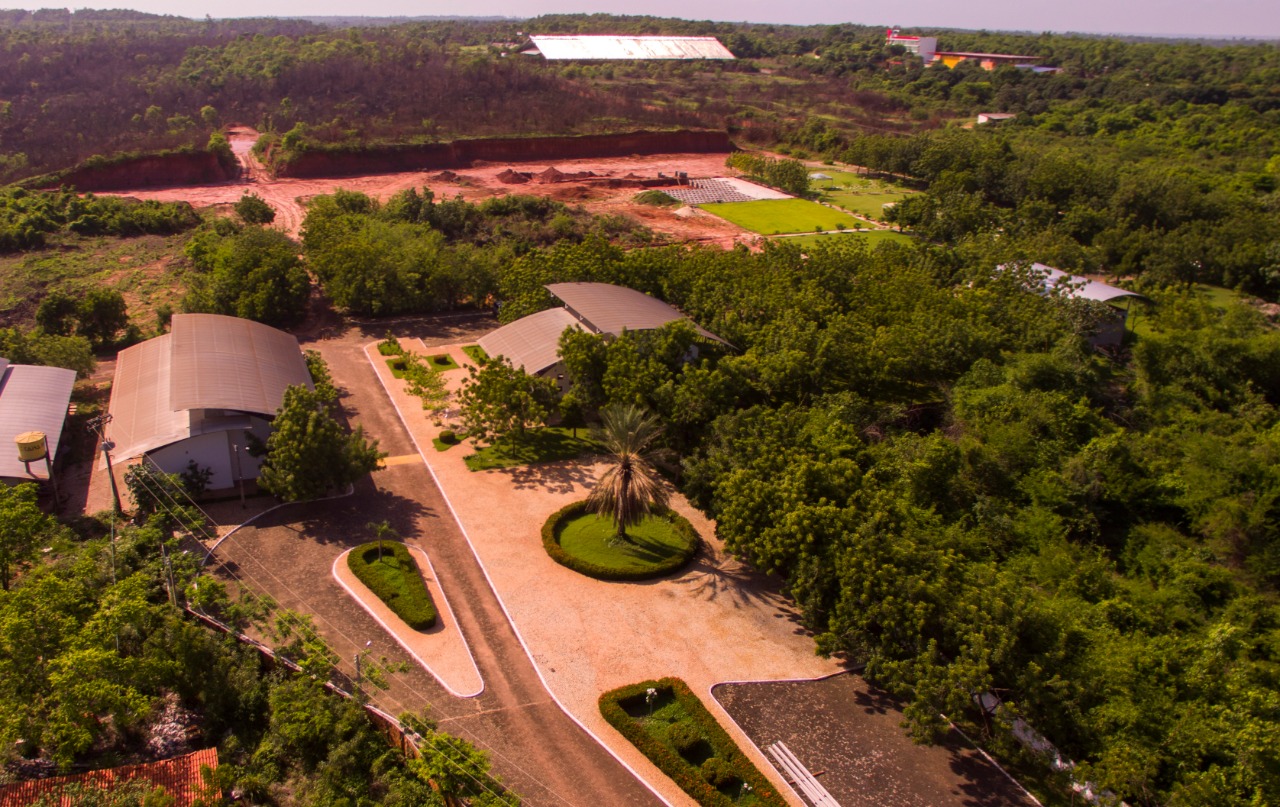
533,446
396,580
776,216
675,731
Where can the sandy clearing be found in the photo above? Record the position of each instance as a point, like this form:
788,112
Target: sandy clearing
288,196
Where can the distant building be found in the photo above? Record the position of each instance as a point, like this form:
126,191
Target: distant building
532,343
197,394
926,47
594,48
995,117
33,406
1048,280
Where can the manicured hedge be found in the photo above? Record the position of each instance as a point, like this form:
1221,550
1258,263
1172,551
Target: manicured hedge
729,761
412,603
551,543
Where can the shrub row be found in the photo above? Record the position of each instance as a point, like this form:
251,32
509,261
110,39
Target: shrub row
413,603
551,543
691,779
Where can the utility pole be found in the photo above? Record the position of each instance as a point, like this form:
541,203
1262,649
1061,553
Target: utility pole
99,425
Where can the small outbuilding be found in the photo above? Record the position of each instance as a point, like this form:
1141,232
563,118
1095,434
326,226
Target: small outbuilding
202,393
1111,330
33,409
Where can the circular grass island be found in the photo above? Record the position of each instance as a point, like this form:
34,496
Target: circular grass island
585,542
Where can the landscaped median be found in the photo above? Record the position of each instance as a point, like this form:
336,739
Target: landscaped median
393,576
672,727
583,541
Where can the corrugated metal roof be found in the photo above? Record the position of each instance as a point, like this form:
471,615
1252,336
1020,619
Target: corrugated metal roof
208,362
224,362
179,776
31,399
531,343
141,416
1078,286
630,47
605,308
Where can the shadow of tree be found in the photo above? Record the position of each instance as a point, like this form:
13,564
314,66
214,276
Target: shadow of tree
555,477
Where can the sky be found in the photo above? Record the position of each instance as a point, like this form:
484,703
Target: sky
1222,18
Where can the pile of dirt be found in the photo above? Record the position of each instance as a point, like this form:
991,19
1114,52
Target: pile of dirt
549,176
509,177
445,176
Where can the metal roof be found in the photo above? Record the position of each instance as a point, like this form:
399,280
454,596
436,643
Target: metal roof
1076,286
609,309
224,362
630,47
531,343
164,387
31,399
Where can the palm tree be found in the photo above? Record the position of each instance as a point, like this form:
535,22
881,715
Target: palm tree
629,489
383,531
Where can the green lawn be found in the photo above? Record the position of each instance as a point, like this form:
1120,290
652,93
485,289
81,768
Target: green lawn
396,580
651,544
871,237
441,362
535,445
1140,322
476,353
774,216
857,194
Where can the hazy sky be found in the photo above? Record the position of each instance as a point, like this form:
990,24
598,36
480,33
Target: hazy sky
1251,18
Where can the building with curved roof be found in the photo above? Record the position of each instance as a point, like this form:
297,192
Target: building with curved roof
532,343
197,393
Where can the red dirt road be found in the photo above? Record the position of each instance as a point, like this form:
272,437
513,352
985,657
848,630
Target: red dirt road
287,196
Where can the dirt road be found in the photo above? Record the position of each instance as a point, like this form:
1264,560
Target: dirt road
534,746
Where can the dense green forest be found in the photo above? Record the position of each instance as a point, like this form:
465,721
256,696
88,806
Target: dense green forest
99,663
956,490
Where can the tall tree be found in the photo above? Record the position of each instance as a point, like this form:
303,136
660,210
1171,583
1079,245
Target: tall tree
629,489
21,523
309,453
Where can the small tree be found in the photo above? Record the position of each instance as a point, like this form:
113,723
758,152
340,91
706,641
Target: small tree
382,531
101,315
629,489
499,398
253,210
309,453
21,523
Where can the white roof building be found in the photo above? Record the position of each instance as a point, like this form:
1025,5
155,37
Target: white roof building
628,47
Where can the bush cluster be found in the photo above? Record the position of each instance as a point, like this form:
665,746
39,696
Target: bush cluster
700,782
412,603
551,543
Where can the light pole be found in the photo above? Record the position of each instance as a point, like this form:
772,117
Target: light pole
99,425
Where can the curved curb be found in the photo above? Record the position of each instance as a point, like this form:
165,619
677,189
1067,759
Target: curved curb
396,635
501,603
208,553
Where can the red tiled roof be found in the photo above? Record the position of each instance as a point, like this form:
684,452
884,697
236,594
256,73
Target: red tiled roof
179,776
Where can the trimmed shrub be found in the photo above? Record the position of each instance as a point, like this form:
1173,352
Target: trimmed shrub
551,543
684,735
729,767
390,347
449,437
411,601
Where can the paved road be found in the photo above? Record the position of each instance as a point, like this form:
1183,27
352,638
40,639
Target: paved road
535,747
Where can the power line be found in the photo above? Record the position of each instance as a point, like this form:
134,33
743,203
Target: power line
147,478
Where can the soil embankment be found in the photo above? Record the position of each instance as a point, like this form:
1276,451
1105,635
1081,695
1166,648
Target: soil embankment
147,171
465,153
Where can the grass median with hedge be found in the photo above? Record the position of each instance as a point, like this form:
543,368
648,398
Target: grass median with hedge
396,580
676,732
583,541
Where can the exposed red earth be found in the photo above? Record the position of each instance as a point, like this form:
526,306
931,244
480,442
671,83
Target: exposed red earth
582,182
